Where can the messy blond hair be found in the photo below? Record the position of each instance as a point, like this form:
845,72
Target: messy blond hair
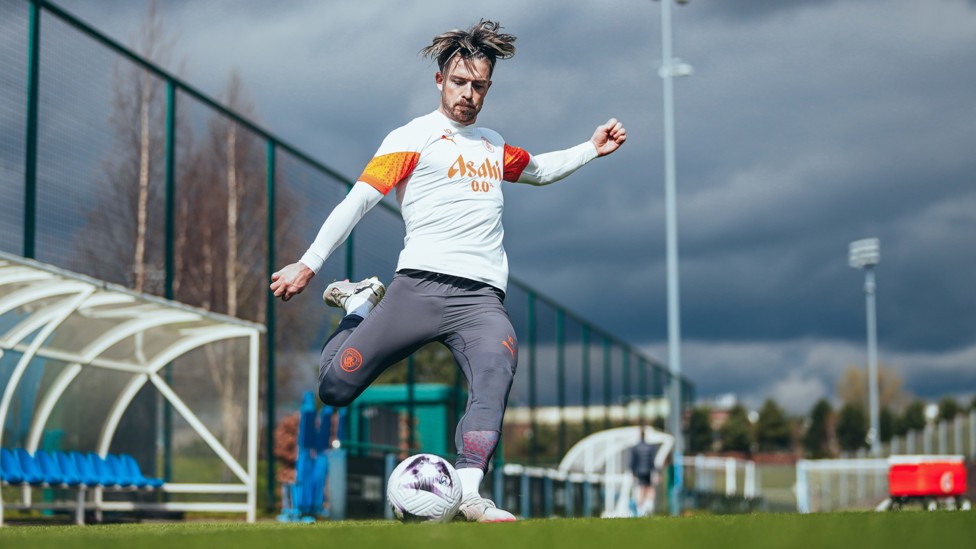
481,41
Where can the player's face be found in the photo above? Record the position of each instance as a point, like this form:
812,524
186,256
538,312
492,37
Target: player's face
463,88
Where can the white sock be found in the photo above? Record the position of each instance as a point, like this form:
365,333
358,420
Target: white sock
470,479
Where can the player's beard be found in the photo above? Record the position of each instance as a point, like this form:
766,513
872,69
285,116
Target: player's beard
464,113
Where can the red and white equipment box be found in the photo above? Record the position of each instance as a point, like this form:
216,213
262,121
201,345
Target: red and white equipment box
926,476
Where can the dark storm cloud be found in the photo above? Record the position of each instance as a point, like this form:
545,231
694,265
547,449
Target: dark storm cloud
807,124
929,378
778,171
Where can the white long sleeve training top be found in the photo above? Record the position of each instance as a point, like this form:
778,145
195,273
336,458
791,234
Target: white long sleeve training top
448,180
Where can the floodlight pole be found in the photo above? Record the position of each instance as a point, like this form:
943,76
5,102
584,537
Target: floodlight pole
865,254
671,67
875,433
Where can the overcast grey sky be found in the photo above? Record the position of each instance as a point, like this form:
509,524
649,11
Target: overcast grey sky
807,124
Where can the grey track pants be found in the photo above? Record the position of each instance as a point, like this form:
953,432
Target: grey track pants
419,308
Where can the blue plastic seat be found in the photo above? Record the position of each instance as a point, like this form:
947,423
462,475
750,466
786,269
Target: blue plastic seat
132,466
86,470
121,466
10,467
103,471
69,468
49,467
29,467
120,471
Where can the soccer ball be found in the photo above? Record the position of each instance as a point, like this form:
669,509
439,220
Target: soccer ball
424,487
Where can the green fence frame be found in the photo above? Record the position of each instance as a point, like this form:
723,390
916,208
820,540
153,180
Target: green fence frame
38,9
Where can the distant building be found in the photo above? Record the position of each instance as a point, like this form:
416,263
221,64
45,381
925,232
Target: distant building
719,408
616,413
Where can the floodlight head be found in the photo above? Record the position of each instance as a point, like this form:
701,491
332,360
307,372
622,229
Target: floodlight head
864,253
675,69
681,69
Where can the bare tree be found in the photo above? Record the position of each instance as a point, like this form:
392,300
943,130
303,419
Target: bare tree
852,388
223,246
235,157
121,241
220,241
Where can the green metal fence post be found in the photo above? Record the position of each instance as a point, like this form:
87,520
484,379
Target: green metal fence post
561,377
585,397
642,388
30,159
533,400
658,381
606,382
411,402
169,250
272,325
627,390
169,260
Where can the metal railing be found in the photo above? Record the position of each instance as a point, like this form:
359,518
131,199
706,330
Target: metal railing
857,481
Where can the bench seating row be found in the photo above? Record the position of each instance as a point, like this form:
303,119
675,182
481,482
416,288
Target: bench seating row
72,470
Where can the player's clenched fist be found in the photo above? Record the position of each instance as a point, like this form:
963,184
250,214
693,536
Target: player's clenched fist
609,137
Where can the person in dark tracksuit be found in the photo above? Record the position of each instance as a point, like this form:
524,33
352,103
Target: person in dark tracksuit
643,468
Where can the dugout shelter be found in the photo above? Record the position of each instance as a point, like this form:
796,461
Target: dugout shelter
91,367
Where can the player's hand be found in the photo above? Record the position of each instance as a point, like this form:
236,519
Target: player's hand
291,280
609,137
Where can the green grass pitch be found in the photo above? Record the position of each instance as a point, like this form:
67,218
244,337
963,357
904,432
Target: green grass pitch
854,530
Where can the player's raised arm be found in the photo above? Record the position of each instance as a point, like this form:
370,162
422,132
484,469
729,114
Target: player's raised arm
292,279
543,169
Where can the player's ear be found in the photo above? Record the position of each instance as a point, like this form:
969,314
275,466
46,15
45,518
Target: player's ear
439,79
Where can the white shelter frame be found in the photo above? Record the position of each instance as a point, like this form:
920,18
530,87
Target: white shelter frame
44,299
605,453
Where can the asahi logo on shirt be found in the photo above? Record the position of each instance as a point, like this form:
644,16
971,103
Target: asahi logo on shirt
486,169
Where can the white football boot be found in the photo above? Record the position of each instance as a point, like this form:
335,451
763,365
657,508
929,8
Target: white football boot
338,293
475,508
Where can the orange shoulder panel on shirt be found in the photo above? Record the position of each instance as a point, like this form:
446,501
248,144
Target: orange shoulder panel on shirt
516,160
385,171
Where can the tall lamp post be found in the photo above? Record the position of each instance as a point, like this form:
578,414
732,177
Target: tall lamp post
865,254
670,68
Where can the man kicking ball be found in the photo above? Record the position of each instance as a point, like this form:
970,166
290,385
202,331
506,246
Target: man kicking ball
452,273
